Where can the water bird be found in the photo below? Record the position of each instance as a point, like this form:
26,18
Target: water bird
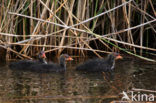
52,67
104,64
25,64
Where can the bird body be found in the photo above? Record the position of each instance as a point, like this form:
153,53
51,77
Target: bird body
47,68
52,67
96,65
25,64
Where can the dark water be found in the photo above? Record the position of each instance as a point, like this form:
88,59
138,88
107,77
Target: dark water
76,87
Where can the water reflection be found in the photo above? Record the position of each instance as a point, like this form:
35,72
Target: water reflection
73,86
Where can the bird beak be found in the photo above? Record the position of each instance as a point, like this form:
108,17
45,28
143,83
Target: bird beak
119,57
69,59
43,55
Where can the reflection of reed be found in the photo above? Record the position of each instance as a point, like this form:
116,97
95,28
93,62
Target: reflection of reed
74,86
64,97
120,82
35,84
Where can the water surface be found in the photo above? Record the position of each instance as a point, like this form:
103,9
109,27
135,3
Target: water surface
73,86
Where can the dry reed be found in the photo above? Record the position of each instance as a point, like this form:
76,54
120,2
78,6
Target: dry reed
77,26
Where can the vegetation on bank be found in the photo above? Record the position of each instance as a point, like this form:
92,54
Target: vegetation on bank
77,27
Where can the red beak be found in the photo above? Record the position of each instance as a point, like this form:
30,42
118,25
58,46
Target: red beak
43,55
69,59
118,57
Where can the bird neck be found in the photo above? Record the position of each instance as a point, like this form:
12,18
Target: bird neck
111,60
62,62
41,60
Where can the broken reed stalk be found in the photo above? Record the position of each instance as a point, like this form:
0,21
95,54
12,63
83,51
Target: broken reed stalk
128,29
92,49
52,46
36,28
121,31
18,54
105,37
143,90
63,37
127,17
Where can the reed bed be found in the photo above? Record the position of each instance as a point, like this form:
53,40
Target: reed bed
77,27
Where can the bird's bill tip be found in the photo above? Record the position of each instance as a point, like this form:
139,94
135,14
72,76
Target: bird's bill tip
69,59
119,57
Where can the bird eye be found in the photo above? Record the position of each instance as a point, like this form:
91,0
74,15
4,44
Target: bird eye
66,56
